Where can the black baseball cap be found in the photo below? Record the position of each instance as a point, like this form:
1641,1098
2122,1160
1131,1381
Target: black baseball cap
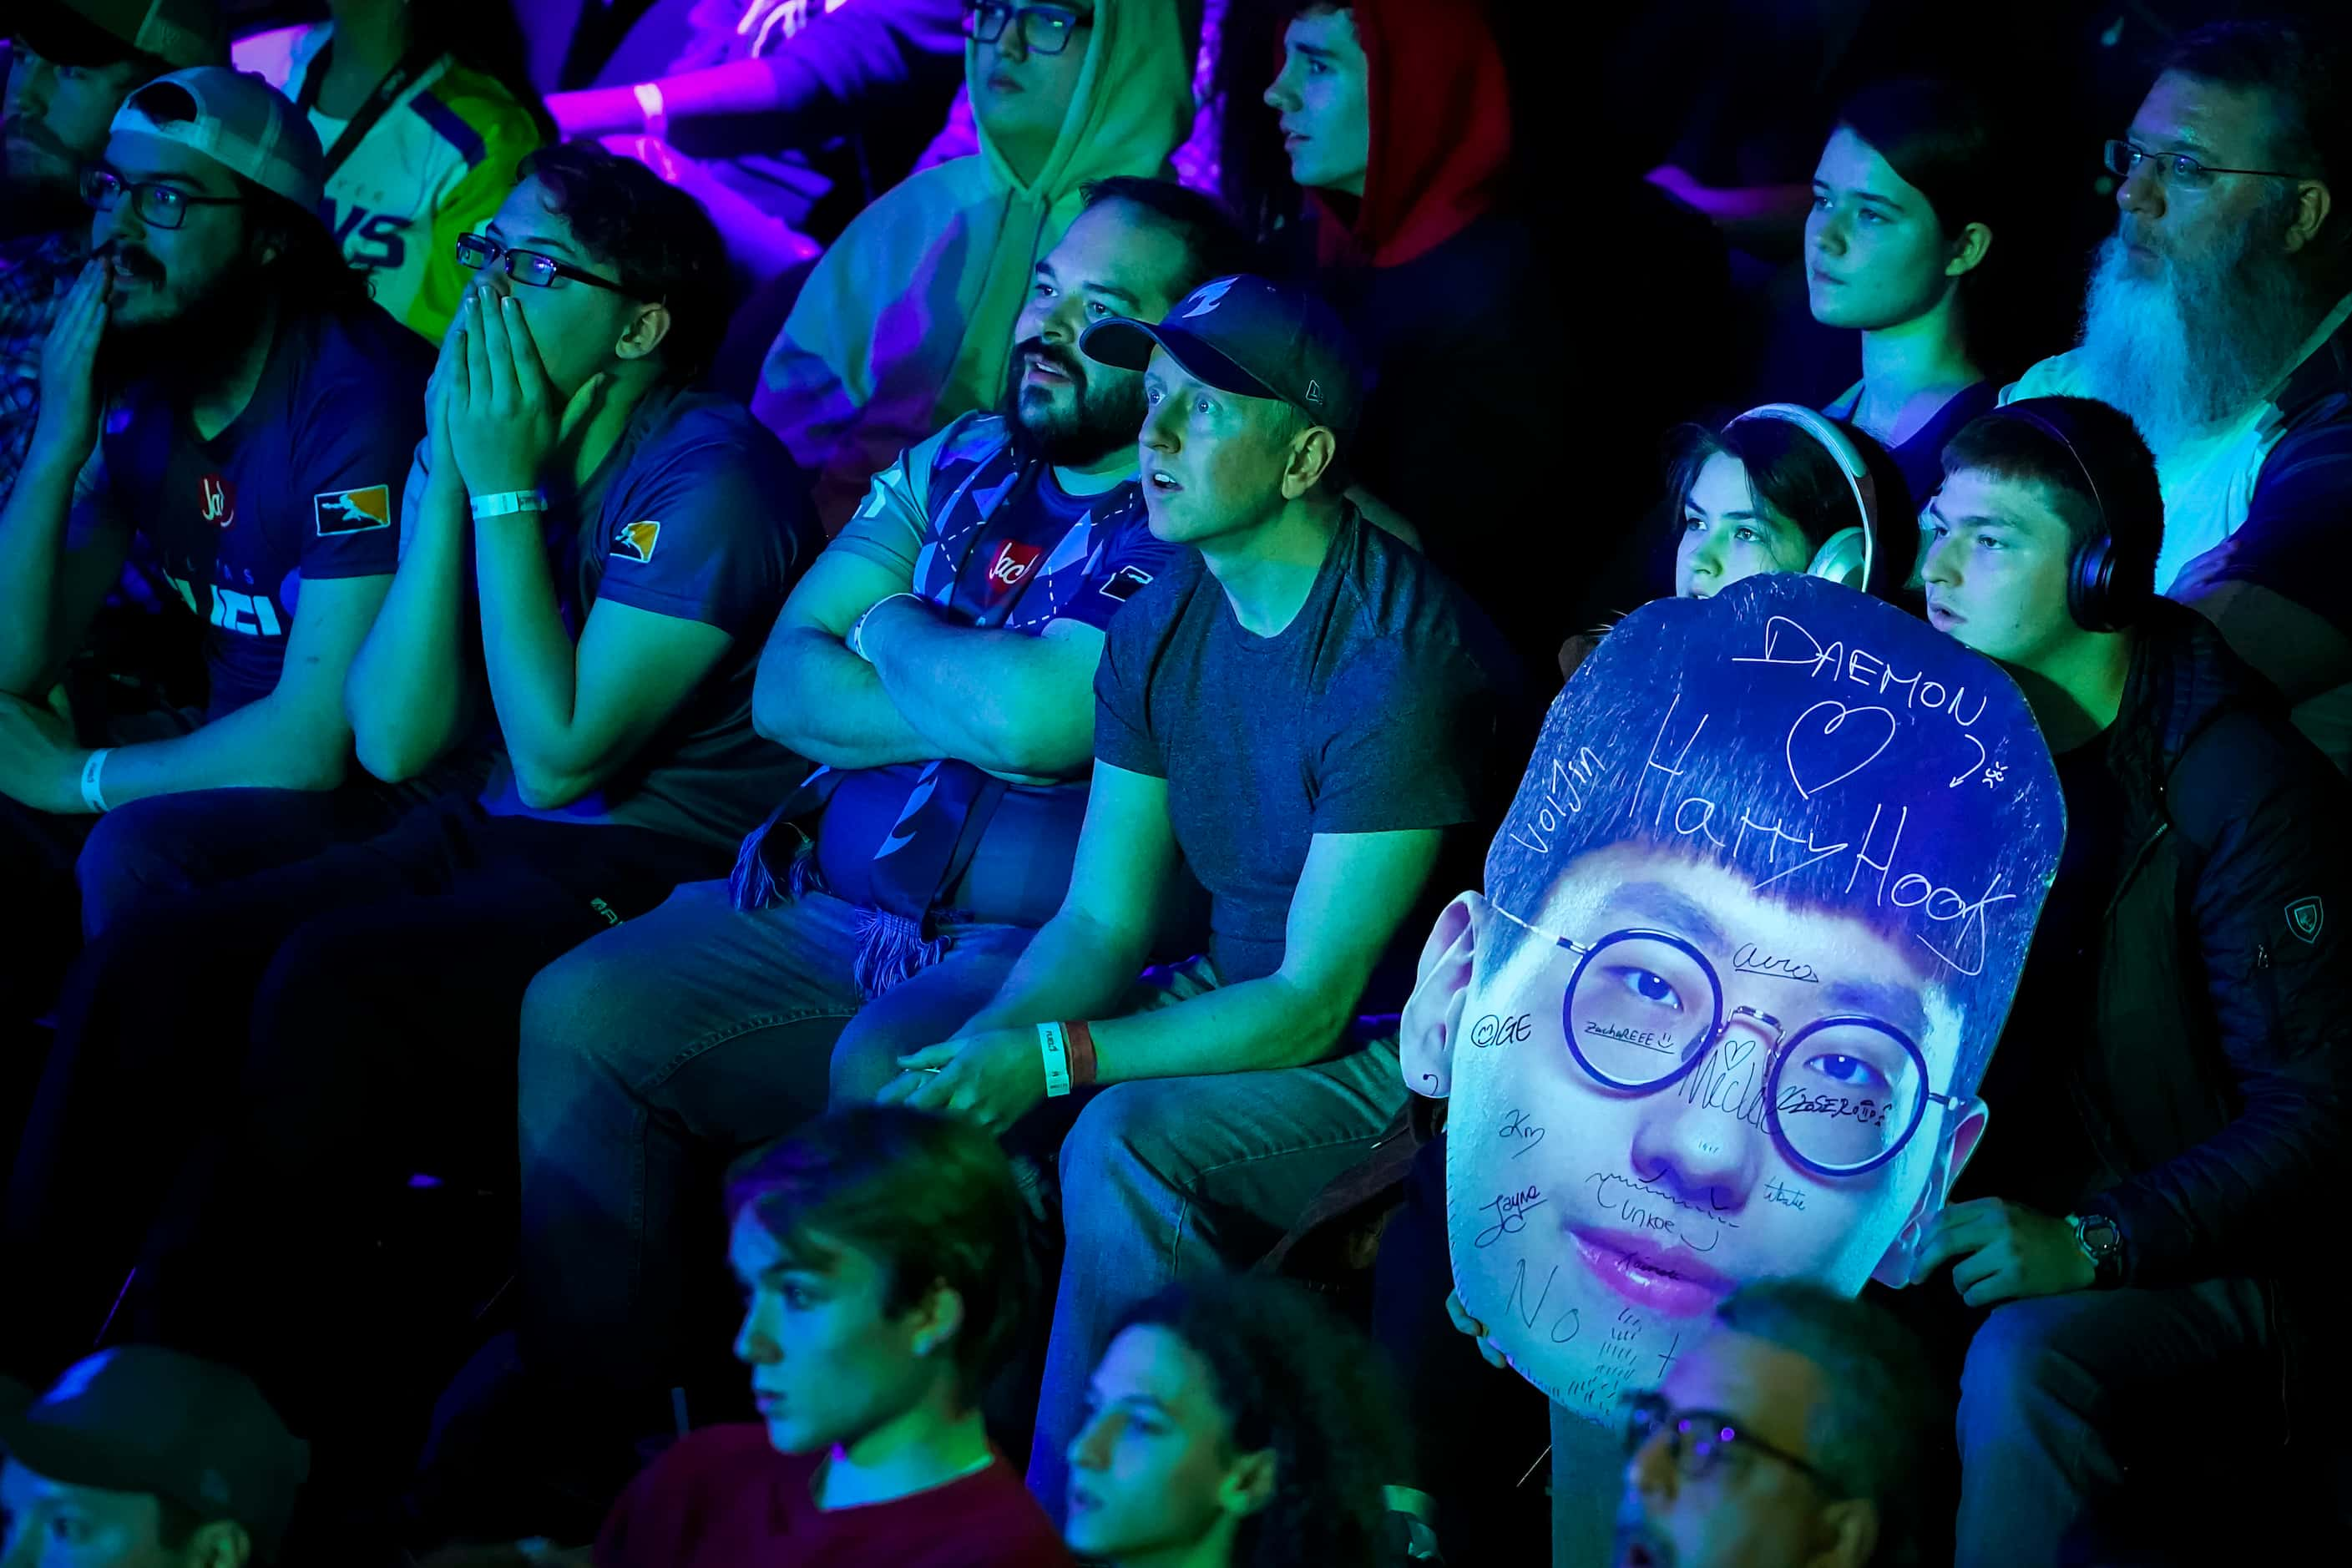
1251,336
142,1418
173,33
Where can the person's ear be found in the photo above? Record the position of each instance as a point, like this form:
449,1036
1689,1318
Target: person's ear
1311,451
1847,1536
221,1544
1248,1485
1432,1014
1968,250
2312,205
937,1318
1968,1119
644,334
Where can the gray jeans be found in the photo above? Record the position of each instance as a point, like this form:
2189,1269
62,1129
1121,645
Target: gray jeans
654,1055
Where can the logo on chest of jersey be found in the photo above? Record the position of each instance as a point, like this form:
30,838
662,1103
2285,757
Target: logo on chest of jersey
635,541
1014,562
352,512
216,500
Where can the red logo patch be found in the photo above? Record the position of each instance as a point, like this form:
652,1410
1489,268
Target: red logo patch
1014,562
216,500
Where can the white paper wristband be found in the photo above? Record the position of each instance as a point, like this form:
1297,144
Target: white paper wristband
93,777
1055,1047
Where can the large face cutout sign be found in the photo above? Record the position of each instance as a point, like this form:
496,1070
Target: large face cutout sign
1749,936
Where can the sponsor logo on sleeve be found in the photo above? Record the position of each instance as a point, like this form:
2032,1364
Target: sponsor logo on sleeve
635,541
1125,583
2307,918
360,511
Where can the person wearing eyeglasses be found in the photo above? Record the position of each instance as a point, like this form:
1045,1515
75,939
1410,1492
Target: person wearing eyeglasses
2188,987
2216,317
592,549
1794,1433
907,321
256,419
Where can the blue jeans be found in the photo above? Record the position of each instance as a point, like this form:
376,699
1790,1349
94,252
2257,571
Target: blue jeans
651,1057
1166,1179
2061,1394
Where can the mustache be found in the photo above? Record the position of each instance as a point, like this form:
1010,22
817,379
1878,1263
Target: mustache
1061,359
132,257
24,128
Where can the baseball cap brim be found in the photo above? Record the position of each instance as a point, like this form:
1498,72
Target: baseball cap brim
63,1456
1126,345
55,33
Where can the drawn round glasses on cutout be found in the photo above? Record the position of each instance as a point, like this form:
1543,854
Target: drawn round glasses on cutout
1631,1025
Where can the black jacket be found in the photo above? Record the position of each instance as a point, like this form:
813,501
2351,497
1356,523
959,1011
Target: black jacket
2211,1082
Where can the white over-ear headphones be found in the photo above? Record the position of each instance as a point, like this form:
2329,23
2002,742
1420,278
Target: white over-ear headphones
1847,556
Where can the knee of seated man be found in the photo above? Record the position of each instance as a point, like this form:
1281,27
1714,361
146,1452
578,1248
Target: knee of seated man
575,1007
1124,1124
2031,1349
128,857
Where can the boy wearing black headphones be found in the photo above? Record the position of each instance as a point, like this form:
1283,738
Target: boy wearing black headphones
2171,1097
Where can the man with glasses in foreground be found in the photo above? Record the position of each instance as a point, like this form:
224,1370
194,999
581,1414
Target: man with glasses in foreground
1793,1432
592,549
257,415
2215,318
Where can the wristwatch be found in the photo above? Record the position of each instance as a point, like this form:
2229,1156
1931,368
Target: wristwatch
2102,1241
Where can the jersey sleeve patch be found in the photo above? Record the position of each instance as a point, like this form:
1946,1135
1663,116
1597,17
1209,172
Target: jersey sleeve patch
635,541
352,512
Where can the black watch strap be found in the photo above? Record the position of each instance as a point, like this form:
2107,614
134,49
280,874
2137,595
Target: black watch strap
2103,1242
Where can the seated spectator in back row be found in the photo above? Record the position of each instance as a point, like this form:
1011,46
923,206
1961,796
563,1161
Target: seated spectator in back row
1234,1422
609,543
1300,709
424,109
68,70
937,659
1396,116
1794,1434
2216,318
139,1457
907,321
2169,1096
264,415
884,1276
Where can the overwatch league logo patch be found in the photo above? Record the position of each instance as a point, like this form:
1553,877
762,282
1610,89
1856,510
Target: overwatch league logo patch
352,512
1124,583
635,541
2306,918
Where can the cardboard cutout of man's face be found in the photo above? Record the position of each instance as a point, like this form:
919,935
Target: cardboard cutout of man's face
1748,935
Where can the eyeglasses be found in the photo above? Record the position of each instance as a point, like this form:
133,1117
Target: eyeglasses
2178,171
1701,1439
1044,29
158,206
528,267
1843,1095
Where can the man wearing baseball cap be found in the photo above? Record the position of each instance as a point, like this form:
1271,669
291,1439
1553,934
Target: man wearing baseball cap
69,66
146,1459
1302,709
259,413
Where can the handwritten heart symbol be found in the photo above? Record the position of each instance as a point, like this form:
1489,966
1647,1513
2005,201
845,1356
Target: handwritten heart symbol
1838,741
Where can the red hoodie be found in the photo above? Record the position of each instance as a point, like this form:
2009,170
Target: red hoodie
1441,114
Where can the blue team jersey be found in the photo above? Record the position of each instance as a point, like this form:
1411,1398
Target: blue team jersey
304,483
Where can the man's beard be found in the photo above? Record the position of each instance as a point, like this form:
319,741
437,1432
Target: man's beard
1107,416
2201,342
208,334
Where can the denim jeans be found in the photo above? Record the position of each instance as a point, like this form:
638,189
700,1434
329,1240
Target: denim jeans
1166,1179
651,1057
2062,1394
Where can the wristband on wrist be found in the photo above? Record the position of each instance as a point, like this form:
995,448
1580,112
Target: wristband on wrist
1078,1040
93,775
856,637
656,110
1053,1046
506,503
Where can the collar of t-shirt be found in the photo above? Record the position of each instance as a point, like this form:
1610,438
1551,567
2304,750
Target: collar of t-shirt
1347,539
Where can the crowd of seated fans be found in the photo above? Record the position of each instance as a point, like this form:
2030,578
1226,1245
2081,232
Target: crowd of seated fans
734,735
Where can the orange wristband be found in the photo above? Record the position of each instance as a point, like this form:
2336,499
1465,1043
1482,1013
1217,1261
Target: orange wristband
1081,1042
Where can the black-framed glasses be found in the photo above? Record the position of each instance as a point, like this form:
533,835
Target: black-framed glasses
1703,1440
1843,1094
1044,29
158,206
2178,171
528,267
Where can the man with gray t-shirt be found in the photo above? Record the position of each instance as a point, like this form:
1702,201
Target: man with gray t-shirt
1301,709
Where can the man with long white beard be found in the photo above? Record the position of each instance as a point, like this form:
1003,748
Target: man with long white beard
2215,318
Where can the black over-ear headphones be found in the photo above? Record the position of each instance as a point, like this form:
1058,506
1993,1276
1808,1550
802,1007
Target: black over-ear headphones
2097,599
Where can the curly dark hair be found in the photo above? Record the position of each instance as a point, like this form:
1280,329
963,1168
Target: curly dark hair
659,240
1293,1377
